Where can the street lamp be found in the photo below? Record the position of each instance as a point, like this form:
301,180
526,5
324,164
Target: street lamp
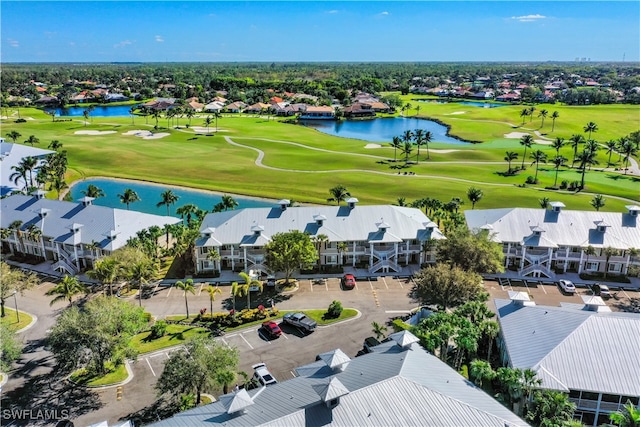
15,300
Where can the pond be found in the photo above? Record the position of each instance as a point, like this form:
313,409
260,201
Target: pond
381,130
480,104
150,195
99,111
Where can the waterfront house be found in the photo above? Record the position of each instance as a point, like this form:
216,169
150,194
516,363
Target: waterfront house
323,112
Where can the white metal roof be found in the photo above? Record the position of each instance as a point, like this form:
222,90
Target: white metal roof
11,155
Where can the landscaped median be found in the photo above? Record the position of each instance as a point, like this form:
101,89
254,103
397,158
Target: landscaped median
11,319
115,375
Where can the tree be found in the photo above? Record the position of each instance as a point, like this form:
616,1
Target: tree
590,127
105,271
445,286
554,116
186,286
14,135
66,289
544,202
168,198
471,251
207,122
338,194
342,247
13,280
531,110
19,173
229,202
524,113
543,115
418,135
550,408
187,212
378,329
140,272
10,347
481,371
611,146
32,140
527,142
197,367
426,139
396,143
55,145
589,251
629,416
474,195
99,332
586,158
557,144
213,291
598,202
557,162
407,136
318,240
288,251
407,149
538,156
129,196
628,149
575,142
608,252
85,114
249,282
93,191
509,157
25,166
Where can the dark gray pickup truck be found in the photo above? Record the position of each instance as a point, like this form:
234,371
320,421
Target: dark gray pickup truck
300,320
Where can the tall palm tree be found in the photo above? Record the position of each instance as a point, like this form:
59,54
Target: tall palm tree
66,289
586,158
543,115
527,142
554,116
249,282
341,247
418,136
55,145
407,136
557,162
168,198
426,139
156,115
575,142
216,115
29,164
628,149
338,194
14,135
592,145
186,286
132,112
407,149
531,110
509,157
213,291
140,272
105,271
187,212
474,195
129,196
481,371
229,202
318,240
537,157
396,143
598,202
93,191
85,114
590,127
524,113
207,122
621,142
611,147
378,330
557,144
19,173
189,113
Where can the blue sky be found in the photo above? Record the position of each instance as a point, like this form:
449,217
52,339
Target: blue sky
108,31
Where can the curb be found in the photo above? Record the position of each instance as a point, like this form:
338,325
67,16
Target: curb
357,316
34,319
108,386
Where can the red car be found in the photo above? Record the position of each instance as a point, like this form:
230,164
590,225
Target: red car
272,329
348,281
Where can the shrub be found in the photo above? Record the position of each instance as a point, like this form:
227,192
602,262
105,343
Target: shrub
159,329
531,180
398,325
564,184
335,309
21,120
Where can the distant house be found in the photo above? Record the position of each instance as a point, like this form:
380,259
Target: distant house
257,108
214,107
161,104
194,106
324,112
508,97
115,97
235,107
358,109
47,100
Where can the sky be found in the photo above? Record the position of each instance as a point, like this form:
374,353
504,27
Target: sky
317,31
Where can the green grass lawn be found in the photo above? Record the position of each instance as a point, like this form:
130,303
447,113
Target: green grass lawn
302,163
115,376
11,319
176,335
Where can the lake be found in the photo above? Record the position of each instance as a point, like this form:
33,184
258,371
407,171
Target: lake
150,195
381,130
480,104
100,111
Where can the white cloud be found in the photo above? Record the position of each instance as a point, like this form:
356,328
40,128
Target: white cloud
384,13
332,12
159,39
528,18
72,43
122,44
13,43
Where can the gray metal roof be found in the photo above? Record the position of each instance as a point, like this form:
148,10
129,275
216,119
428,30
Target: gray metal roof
389,387
11,155
574,348
342,224
93,223
564,228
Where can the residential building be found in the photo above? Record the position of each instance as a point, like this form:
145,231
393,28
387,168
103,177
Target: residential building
541,242
214,107
358,109
323,112
235,107
397,384
379,238
584,350
257,108
71,235
10,157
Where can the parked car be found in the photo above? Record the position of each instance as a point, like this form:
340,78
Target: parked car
301,321
271,281
348,281
369,343
601,290
262,375
271,328
567,286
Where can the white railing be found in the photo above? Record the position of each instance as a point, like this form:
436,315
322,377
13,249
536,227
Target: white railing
64,266
536,258
385,263
540,268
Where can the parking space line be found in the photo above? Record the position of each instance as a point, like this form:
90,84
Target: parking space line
155,290
169,293
261,335
400,283
370,284
225,342
152,371
200,290
292,374
311,285
526,286
625,294
326,285
245,340
284,335
543,289
385,282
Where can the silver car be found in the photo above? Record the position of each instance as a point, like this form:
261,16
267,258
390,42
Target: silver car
262,375
567,286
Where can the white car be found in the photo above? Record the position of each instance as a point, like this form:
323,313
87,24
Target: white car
262,375
602,290
567,286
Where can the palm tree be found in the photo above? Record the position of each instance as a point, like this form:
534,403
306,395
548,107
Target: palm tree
229,202
575,142
407,149
396,143
318,240
586,158
474,195
378,330
129,196
236,291
14,135
407,136
524,113
341,247
93,191
621,142
418,136
557,162
557,144
29,164
55,145
611,147
19,173
168,198
249,282
426,139
132,111
69,287
592,145
105,271
207,122
538,156
591,127
588,251
140,272
628,149
543,115
554,116
629,416
338,194
216,115
531,110
527,142
187,211
544,202
213,291
85,114
510,156
186,286
156,115
189,113
598,202
481,371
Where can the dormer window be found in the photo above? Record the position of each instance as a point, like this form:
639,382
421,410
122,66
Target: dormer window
633,210
430,226
284,203
319,219
207,232
86,201
382,226
602,226
351,202
257,229
557,206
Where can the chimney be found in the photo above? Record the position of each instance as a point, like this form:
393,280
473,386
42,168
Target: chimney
633,210
557,206
75,227
284,203
351,202
319,219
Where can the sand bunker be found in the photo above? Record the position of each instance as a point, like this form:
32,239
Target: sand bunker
458,112
146,134
436,150
201,129
373,146
156,135
94,132
515,135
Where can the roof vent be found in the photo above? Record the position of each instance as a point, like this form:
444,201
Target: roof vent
382,226
39,194
284,203
594,303
207,232
430,225
557,206
112,234
331,392
520,298
633,209
86,201
404,339
43,212
75,227
537,230
257,229
319,219
351,202
602,225
236,402
336,359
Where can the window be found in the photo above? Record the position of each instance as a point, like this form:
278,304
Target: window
615,267
592,266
